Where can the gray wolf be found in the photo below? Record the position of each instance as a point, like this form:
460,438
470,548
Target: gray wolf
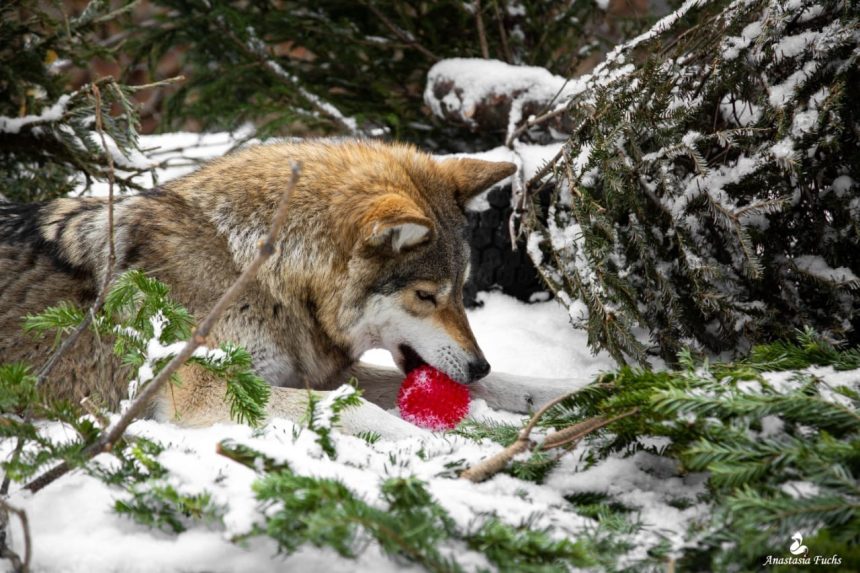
372,255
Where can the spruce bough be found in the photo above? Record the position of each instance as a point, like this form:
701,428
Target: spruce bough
708,195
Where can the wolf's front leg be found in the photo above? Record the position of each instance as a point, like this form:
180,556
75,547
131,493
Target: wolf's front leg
511,392
523,394
200,401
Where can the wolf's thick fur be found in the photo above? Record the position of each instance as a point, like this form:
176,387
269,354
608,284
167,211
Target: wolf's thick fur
372,254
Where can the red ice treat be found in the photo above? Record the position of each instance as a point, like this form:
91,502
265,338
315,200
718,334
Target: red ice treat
430,399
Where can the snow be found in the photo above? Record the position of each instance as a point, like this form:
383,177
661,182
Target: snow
816,266
782,93
739,112
733,45
476,80
791,46
645,482
52,113
842,185
75,529
173,155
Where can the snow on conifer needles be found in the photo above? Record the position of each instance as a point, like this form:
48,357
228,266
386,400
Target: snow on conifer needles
709,192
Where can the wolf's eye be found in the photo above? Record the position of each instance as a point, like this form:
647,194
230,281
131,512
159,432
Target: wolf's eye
426,296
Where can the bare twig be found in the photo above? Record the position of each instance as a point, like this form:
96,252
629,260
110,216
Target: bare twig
576,432
111,260
18,565
70,341
533,122
503,35
545,169
482,33
404,36
109,439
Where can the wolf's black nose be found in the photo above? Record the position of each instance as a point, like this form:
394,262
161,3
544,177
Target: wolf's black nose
478,369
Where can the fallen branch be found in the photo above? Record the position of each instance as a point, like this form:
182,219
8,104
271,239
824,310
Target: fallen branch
18,565
108,440
489,467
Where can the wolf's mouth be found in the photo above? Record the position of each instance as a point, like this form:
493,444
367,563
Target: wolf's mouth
411,359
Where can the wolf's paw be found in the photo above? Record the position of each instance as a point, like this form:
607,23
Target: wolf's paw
369,417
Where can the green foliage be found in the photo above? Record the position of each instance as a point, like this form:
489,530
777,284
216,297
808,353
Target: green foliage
286,65
162,507
138,310
782,450
17,387
323,414
137,314
247,393
325,512
526,549
809,349
64,318
501,433
707,193
48,143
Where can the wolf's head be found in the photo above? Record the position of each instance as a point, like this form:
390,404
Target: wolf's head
411,258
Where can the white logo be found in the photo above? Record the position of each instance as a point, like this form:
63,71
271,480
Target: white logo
800,555
797,548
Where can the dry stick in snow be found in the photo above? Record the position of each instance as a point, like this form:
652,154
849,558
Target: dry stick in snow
107,441
489,467
18,565
522,443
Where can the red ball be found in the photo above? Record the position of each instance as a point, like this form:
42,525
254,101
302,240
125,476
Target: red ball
430,399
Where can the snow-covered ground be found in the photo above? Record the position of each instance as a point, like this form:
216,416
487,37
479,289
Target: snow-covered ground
75,528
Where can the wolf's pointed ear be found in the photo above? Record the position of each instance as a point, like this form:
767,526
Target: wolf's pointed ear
471,176
397,222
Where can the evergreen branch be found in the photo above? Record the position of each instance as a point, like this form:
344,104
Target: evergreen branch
255,48
108,439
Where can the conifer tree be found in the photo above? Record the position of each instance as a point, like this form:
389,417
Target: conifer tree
709,191
50,142
352,68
